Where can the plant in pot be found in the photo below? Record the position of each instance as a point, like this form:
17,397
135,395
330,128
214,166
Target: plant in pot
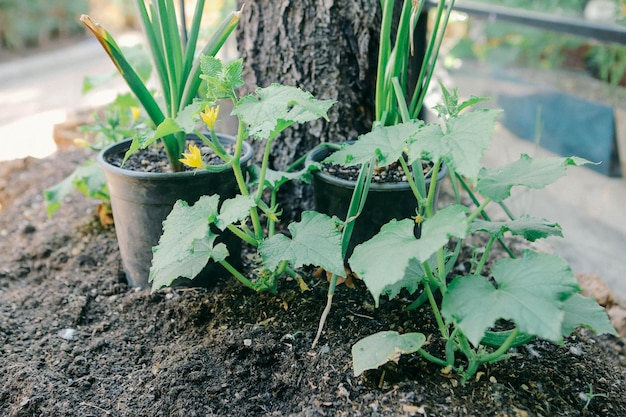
144,174
190,232
399,97
118,120
478,313
365,203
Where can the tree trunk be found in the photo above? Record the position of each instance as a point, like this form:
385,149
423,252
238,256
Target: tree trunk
327,47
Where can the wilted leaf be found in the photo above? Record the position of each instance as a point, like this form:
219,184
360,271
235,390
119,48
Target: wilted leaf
378,349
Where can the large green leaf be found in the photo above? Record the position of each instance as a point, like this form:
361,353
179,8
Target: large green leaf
397,246
496,183
461,146
378,349
387,143
273,109
186,243
530,292
316,240
528,227
585,312
234,210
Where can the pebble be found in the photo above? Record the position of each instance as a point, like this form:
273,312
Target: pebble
68,334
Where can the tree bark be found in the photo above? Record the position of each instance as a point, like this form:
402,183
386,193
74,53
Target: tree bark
327,47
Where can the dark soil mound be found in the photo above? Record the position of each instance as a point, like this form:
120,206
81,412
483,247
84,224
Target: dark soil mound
76,341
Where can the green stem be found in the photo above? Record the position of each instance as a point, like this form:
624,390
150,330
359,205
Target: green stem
433,304
501,351
241,181
410,180
271,223
430,202
245,281
264,166
243,235
484,214
450,347
479,211
419,300
485,256
220,152
432,358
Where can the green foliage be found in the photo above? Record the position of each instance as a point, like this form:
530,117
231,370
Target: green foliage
119,121
87,178
535,294
273,109
531,173
188,243
175,63
315,240
396,241
27,23
530,292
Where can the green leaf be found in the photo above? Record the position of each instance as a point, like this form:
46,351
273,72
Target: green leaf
387,143
397,245
55,195
275,179
186,244
530,292
167,127
382,347
139,141
316,240
234,210
528,227
585,312
185,118
222,80
528,172
88,179
273,109
461,146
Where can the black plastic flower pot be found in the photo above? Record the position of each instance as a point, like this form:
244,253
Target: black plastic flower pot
141,201
385,201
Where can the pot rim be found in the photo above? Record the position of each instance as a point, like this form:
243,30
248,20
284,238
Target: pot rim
376,186
118,146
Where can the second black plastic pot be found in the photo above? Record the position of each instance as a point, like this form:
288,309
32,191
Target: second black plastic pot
141,202
385,201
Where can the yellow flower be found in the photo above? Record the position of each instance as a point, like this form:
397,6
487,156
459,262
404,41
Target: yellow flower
192,159
209,115
135,112
81,142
